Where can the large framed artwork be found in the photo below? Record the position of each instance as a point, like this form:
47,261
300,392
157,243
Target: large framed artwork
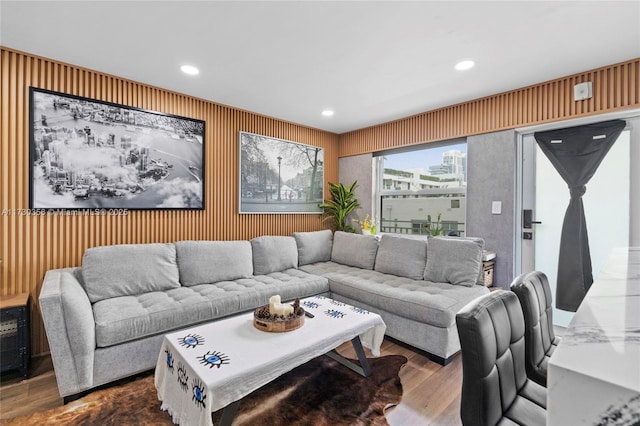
279,176
89,154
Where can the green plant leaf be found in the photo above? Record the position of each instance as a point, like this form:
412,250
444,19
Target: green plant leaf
342,202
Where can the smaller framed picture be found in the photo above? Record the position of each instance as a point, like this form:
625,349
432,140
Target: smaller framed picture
280,176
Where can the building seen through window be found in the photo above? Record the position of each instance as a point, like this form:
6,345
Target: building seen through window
423,191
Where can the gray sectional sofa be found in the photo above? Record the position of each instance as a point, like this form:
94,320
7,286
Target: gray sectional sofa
105,320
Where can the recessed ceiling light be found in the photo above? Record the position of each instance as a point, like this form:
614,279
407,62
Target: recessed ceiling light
327,113
190,69
465,65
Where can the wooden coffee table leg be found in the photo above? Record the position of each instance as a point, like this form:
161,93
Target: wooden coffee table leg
228,413
363,369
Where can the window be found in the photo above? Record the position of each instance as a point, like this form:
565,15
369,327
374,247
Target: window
422,190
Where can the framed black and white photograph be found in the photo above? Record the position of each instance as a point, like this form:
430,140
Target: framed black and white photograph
279,176
89,154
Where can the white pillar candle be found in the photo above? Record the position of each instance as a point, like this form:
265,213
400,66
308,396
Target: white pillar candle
278,308
275,307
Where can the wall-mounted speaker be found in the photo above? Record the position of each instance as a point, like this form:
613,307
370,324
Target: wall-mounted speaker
582,91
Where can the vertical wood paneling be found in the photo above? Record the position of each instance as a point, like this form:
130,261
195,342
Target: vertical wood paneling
615,87
29,246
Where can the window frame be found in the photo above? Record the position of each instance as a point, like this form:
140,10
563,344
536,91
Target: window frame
378,171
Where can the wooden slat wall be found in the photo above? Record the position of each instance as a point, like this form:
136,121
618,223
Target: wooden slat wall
615,87
29,246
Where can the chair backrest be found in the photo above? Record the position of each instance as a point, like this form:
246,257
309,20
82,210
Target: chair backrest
491,331
534,294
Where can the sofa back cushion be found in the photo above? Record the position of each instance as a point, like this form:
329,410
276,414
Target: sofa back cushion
314,246
129,269
480,243
205,262
273,254
401,256
453,260
354,249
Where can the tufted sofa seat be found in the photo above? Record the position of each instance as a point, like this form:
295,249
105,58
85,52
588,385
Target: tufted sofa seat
418,300
126,318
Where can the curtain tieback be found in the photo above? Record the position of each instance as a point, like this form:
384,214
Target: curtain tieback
577,191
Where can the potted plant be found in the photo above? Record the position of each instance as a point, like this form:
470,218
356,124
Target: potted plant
342,202
368,225
434,228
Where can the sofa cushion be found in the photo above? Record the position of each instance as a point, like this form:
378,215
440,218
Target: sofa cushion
453,260
129,269
203,262
314,246
354,249
400,256
479,242
274,253
128,318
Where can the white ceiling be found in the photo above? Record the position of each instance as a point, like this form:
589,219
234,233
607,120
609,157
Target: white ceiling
369,61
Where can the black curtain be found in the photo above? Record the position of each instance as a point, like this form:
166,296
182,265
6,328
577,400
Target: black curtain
576,153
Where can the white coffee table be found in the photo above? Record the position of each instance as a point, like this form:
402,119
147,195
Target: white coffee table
212,366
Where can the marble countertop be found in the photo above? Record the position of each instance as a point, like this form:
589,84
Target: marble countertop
594,374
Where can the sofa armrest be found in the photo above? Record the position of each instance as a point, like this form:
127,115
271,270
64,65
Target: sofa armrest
68,321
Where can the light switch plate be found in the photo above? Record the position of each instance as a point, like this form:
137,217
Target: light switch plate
496,207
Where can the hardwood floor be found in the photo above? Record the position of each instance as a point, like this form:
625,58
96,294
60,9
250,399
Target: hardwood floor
38,393
431,392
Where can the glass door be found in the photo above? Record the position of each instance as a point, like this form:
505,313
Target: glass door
546,196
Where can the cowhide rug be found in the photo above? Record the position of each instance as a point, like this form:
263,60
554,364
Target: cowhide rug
319,393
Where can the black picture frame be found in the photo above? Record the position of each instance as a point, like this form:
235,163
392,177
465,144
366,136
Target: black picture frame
278,176
91,154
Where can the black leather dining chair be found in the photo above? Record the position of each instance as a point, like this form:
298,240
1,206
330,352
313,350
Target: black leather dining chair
534,293
495,387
